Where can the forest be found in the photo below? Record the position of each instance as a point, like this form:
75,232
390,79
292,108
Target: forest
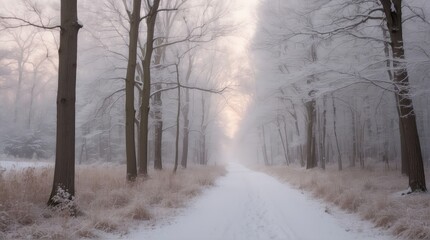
124,109
342,83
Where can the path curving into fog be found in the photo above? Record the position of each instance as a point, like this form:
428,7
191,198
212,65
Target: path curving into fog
248,205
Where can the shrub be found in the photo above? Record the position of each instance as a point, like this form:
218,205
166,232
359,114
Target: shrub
27,146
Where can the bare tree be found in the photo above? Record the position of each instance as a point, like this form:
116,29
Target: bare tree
394,20
323,136
129,88
178,115
151,17
339,155
64,174
25,43
36,69
284,143
163,29
264,146
185,112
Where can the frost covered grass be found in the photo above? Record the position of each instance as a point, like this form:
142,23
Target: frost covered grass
107,202
374,193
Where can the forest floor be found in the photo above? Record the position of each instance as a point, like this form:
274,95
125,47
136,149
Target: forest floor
373,193
250,205
110,205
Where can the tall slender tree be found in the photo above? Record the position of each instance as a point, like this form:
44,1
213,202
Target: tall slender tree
185,112
64,175
144,108
129,88
393,15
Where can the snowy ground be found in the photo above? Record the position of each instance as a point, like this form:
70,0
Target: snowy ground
19,165
248,205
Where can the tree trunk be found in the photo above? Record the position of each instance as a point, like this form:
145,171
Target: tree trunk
185,113
403,153
264,147
64,173
109,141
30,107
203,127
178,115
33,87
144,108
203,152
360,144
130,144
296,124
19,87
158,135
185,142
286,141
393,13
310,106
311,161
339,156
158,115
354,139
323,137
164,28
282,141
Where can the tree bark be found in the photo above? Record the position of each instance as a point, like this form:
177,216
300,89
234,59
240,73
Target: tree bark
393,14
185,113
158,131
158,115
354,139
165,27
185,143
203,126
64,173
310,159
130,144
403,153
339,156
323,137
144,108
296,123
203,150
282,141
286,142
310,106
178,115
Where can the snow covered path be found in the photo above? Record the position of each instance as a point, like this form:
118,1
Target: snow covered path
248,205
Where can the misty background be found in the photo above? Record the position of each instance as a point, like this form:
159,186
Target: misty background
272,58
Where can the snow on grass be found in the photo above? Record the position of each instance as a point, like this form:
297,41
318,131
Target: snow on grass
107,202
11,165
374,193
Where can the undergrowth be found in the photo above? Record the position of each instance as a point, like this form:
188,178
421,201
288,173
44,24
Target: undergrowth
373,193
107,203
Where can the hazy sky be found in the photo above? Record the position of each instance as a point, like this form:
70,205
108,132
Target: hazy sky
244,14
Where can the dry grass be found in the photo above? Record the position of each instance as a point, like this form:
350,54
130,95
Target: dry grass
373,193
107,201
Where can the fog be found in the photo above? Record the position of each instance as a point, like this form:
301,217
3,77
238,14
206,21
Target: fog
303,90
268,57
218,53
